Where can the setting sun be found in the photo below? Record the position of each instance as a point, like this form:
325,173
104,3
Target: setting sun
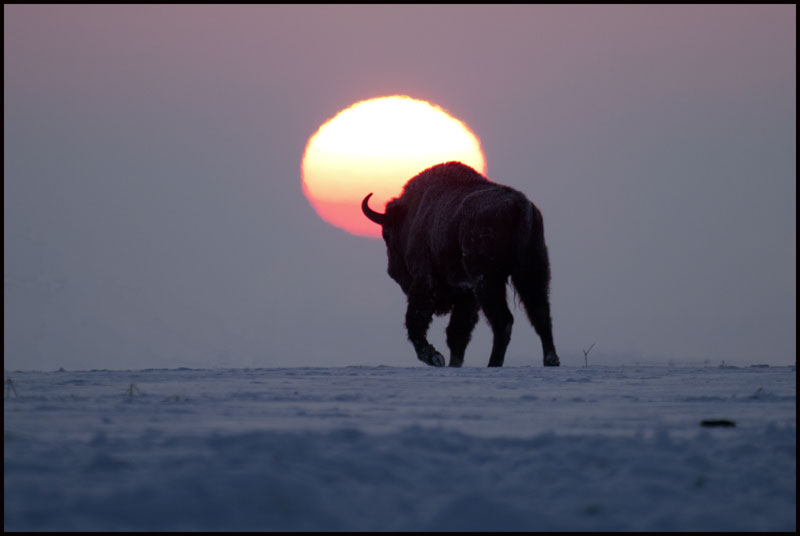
376,145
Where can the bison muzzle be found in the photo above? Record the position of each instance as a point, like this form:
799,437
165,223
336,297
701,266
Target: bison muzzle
453,239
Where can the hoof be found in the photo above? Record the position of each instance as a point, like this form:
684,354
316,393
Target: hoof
431,357
551,360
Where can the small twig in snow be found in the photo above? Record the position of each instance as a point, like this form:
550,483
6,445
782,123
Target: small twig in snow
585,354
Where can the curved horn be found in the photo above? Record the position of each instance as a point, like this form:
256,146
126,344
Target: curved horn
377,217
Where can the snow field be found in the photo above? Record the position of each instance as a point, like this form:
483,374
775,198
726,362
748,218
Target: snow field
388,448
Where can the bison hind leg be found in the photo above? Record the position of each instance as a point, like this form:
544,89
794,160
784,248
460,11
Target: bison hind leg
532,288
459,330
492,296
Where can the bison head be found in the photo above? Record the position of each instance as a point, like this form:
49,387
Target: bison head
391,229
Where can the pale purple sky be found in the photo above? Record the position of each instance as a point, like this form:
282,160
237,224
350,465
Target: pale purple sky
154,214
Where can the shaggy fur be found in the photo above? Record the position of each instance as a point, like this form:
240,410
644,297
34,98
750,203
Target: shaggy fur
453,239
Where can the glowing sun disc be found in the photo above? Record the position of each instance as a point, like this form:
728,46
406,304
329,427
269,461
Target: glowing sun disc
376,145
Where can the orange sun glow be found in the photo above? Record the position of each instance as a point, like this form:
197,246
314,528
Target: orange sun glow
376,145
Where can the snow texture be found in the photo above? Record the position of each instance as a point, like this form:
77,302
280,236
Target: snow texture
394,448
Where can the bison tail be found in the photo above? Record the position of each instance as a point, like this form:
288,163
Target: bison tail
530,270
531,255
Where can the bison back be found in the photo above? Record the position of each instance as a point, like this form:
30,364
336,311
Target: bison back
463,234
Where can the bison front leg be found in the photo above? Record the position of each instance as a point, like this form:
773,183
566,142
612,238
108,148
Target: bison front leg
418,318
459,330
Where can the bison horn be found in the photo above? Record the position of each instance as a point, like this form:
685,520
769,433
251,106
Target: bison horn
377,217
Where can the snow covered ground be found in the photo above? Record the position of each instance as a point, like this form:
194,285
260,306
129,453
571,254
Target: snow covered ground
401,448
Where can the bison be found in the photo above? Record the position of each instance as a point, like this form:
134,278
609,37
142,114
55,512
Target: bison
453,238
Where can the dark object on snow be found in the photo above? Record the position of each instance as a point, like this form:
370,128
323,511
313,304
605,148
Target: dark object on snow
453,238
717,423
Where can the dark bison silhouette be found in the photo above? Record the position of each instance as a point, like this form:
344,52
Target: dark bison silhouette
453,238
